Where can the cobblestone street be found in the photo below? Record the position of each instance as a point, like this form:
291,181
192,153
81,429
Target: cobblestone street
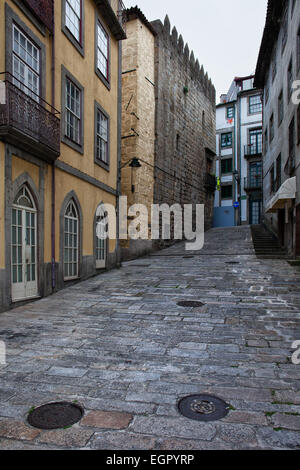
121,346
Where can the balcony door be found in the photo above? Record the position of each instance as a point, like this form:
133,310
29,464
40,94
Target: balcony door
255,141
24,247
255,174
26,64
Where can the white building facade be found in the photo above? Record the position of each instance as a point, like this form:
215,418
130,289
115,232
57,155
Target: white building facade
278,69
238,199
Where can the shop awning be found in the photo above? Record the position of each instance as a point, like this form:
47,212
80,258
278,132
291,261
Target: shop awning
284,196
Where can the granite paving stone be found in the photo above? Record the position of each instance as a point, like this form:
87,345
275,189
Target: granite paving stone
121,346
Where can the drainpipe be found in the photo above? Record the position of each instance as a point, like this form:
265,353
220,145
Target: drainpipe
53,279
240,163
235,155
119,157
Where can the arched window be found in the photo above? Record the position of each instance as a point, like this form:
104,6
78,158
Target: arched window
71,242
101,237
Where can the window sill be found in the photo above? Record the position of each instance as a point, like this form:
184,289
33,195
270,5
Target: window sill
102,78
67,279
77,147
73,40
103,165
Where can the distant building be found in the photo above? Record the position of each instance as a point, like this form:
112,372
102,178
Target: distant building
278,67
168,123
238,199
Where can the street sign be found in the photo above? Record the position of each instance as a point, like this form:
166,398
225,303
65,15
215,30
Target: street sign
236,205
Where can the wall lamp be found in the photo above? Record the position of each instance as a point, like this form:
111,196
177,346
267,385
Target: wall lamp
134,163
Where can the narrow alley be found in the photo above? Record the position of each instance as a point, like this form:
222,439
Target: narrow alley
121,346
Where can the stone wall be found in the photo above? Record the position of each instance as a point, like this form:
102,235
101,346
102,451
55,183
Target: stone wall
185,123
138,122
168,123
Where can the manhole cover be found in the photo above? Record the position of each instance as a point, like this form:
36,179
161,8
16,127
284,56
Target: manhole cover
203,407
55,415
190,303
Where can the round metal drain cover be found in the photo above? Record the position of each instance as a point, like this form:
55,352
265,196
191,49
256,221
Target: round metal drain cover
203,407
190,303
55,415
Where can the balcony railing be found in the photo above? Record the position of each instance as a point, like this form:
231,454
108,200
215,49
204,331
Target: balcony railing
210,182
253,149
26,120
253,183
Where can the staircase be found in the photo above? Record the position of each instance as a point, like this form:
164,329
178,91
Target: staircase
266,245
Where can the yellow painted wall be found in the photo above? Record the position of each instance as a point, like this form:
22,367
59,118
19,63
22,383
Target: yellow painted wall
83,69
20,166
89,197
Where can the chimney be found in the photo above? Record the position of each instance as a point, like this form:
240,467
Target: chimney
223,99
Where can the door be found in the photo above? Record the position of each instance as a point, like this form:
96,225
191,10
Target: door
24,247
101,238
255,212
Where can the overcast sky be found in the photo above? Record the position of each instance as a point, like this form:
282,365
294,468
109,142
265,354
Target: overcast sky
225,35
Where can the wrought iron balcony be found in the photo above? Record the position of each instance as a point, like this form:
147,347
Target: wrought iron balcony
27,121
253,183
253,149
210,182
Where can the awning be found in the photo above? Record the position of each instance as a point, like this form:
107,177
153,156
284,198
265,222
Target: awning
284,195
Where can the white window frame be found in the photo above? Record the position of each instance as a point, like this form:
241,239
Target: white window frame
30,62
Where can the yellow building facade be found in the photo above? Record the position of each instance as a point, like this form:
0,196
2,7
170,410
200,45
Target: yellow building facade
60,94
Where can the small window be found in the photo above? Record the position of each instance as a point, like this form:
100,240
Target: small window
226,192
272,132
102,51
280,108
292,141
298,50
274,64
285,31
73,18
226,166
102,138
226,140
266,141
298,124
73,112
177,142
278,173
230,112
267,91
255,104
290,79
272,180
